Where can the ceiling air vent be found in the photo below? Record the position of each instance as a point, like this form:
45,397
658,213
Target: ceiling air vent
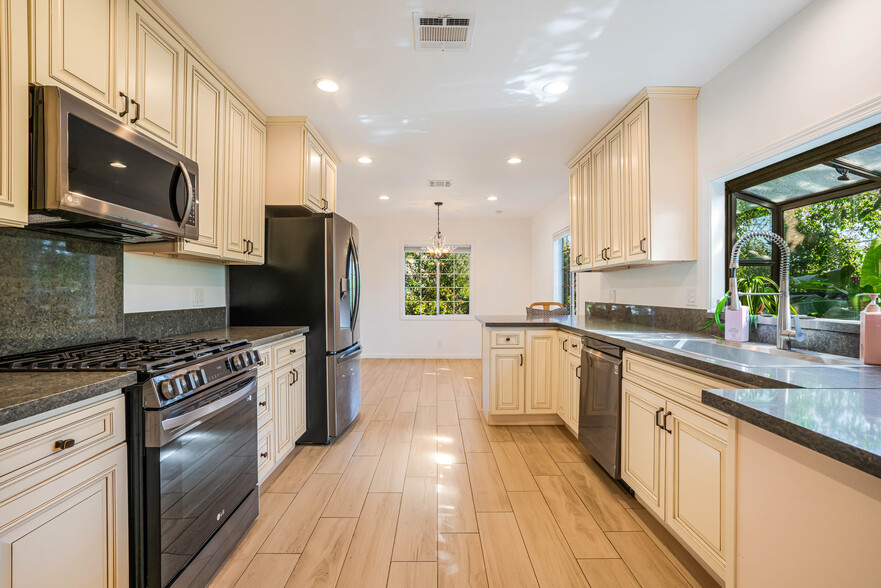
440,183
442,32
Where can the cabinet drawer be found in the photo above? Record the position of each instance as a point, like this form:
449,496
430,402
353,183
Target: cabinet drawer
508,338
265,451
573,345
264,399
287,351
266,357
88,430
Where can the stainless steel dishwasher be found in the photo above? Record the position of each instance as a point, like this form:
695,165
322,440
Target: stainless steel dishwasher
599,414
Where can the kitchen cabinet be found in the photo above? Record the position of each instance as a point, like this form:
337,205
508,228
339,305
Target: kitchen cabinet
507,381
14,109
301,166
562,386
678,456
255,198
573,389
156,78
632,187
540,354
281,402
69,505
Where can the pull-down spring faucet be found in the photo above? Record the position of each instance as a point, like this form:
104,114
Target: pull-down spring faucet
785,318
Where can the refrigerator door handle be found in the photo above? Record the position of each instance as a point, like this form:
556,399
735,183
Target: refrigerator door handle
350,353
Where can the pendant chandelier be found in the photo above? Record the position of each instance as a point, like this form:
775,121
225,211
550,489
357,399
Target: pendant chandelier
438,248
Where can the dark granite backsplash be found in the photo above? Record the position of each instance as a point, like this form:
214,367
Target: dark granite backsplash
825,336
58,291
168,323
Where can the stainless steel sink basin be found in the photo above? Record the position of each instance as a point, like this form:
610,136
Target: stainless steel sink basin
751,354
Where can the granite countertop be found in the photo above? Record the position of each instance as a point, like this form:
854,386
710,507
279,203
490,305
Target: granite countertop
256,335
26,394
832,409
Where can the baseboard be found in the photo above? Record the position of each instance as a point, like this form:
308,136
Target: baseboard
415,356
525,419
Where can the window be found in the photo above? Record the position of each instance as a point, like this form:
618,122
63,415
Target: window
826,203
564,280
437,287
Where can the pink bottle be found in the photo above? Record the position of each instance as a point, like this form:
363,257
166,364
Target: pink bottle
870,332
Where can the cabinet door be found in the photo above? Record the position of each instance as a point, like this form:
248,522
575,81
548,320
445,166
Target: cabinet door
576,246
71,530
643,445
696,485
81,45
615,196
599,204
562,369
299,369
203,144
156,78
265,452
236,143
330,183
256,195
265,400
13,113
636,189
313,174
585,215
540,353
573,365
506,381
283,412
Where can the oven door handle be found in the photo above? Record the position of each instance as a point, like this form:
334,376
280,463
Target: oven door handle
200,413
191,195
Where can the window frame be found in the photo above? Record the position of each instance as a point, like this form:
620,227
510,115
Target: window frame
573,293
408,247
734,191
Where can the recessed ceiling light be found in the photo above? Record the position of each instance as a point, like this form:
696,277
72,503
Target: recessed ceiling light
118,164
365,159
326,85
555,88
383,197
515,160
492,198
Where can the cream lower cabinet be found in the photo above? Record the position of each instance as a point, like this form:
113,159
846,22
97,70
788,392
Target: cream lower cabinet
540,353
573,390
507,380
14,108
64,516
281,402
301,166
678,456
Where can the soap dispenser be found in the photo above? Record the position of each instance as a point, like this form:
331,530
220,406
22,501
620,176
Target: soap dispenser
736,316
870,332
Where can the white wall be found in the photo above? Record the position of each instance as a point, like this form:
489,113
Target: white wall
804,84
156,283
500,284
550,220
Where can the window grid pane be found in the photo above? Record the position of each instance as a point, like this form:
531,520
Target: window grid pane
437,287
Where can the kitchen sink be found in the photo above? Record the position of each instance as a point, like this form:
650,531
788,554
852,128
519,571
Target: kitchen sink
751,354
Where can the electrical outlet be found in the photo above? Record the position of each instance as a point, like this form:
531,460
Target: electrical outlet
612,295
198,297
691,297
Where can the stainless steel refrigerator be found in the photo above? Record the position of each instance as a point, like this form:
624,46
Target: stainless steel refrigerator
311,276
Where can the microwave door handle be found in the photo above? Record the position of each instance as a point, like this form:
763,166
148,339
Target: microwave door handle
191,196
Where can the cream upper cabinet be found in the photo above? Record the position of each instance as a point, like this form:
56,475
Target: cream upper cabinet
576,242
506,381
81,46
540,354
14,108
301,166
255,198
637,179
156,78
236,184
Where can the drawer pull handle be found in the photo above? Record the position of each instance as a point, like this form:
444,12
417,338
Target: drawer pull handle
261,403
65,444
264,454
642,245
658,414
666,414
521,359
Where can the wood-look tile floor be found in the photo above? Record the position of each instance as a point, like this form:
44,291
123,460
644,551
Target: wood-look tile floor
420,491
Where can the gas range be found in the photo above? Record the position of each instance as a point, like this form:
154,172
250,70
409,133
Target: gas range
170,370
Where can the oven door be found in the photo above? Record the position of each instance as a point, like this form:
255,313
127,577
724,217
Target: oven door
201,468
95,172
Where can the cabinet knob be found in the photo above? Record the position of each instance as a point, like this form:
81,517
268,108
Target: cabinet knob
264,454
261,403
293,350
63,444
507,338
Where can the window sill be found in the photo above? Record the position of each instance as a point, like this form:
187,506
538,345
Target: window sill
434,317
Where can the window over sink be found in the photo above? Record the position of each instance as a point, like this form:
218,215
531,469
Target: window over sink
437,287
826,203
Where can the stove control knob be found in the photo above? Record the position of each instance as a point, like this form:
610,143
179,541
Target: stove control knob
237,362
194,378
255,357
181,384
166,388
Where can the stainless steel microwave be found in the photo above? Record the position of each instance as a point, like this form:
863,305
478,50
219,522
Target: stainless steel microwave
93,176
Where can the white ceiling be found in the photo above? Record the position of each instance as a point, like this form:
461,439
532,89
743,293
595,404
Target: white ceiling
459,116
